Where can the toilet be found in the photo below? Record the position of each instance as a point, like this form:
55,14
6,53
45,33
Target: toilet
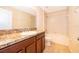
48,41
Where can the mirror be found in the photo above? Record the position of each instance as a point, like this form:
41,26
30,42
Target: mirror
14,18
5,19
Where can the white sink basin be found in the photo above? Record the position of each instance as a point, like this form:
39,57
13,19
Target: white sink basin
28,33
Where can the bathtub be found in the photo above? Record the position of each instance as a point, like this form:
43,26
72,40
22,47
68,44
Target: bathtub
57,38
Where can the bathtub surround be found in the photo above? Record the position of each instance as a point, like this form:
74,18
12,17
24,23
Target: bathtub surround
57,27
58,38
57,22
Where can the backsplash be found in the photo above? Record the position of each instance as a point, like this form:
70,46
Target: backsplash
10,31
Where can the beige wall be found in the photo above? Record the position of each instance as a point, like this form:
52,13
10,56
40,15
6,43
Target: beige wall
57,22
74,28
23,20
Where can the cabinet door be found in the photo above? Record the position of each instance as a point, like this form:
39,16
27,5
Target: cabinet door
43,43
39,50
21,51
31,48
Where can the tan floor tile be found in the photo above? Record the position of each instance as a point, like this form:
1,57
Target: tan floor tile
56,48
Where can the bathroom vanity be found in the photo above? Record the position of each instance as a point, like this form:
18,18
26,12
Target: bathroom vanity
29,44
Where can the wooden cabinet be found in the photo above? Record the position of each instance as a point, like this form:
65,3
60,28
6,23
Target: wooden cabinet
39,47
43,43
40,42
21,51
31,48
35,44
12,48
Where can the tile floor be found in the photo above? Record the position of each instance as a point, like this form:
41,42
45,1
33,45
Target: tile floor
56,48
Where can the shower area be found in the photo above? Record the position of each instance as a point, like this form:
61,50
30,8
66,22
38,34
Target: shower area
62,27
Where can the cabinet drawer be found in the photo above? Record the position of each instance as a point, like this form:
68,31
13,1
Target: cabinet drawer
12,48
28,41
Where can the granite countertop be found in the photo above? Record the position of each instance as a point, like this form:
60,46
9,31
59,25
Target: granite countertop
24,35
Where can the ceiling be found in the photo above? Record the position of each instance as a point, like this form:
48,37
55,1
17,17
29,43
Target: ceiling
27,9
49,9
